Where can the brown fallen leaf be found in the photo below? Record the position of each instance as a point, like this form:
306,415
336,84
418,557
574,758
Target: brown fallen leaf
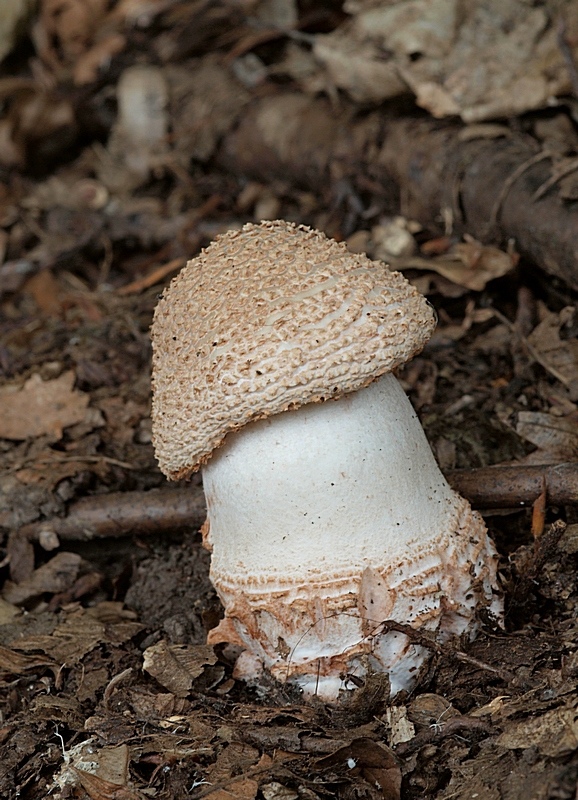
560,354
56,575
57,709
176,666
554,734
113,764
48,467
99,789
276,791
82,630
107,768
241,789
233,773
556,437
12,663
469,264
65,28
41,407
45,291
376,763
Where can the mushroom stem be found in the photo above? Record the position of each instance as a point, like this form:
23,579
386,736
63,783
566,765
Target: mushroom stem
326,522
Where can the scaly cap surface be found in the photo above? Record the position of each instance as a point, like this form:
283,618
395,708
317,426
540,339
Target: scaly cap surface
267,319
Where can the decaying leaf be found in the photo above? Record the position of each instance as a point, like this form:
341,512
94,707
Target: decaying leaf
561,354
41,407
99,789
492,709
12,663
81,631
276,791
106,766
481,60
554,733
469,264
57,575
376,763
240,789
230,774
556,437
74,34
58,709
176,666
401,728
205,100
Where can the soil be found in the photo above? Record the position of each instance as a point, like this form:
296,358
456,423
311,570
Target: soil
108,690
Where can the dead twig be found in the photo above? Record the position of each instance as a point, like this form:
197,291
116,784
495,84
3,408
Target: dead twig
156,276
123,513
504,674
435,733
103,516
516,486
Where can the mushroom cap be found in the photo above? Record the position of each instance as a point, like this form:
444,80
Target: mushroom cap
267,319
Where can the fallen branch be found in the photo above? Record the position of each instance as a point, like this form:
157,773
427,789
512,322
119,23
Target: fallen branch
122,513
496,188
106,516
517,486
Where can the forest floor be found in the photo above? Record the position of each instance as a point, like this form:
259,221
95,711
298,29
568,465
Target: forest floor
107,687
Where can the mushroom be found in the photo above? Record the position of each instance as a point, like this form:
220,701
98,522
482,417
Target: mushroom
327,515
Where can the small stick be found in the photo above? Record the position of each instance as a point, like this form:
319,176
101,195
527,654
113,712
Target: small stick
434,733
504,674
156,276
123,513
106,516
517,486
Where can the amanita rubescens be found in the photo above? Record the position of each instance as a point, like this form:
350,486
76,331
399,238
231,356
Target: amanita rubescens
327,513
